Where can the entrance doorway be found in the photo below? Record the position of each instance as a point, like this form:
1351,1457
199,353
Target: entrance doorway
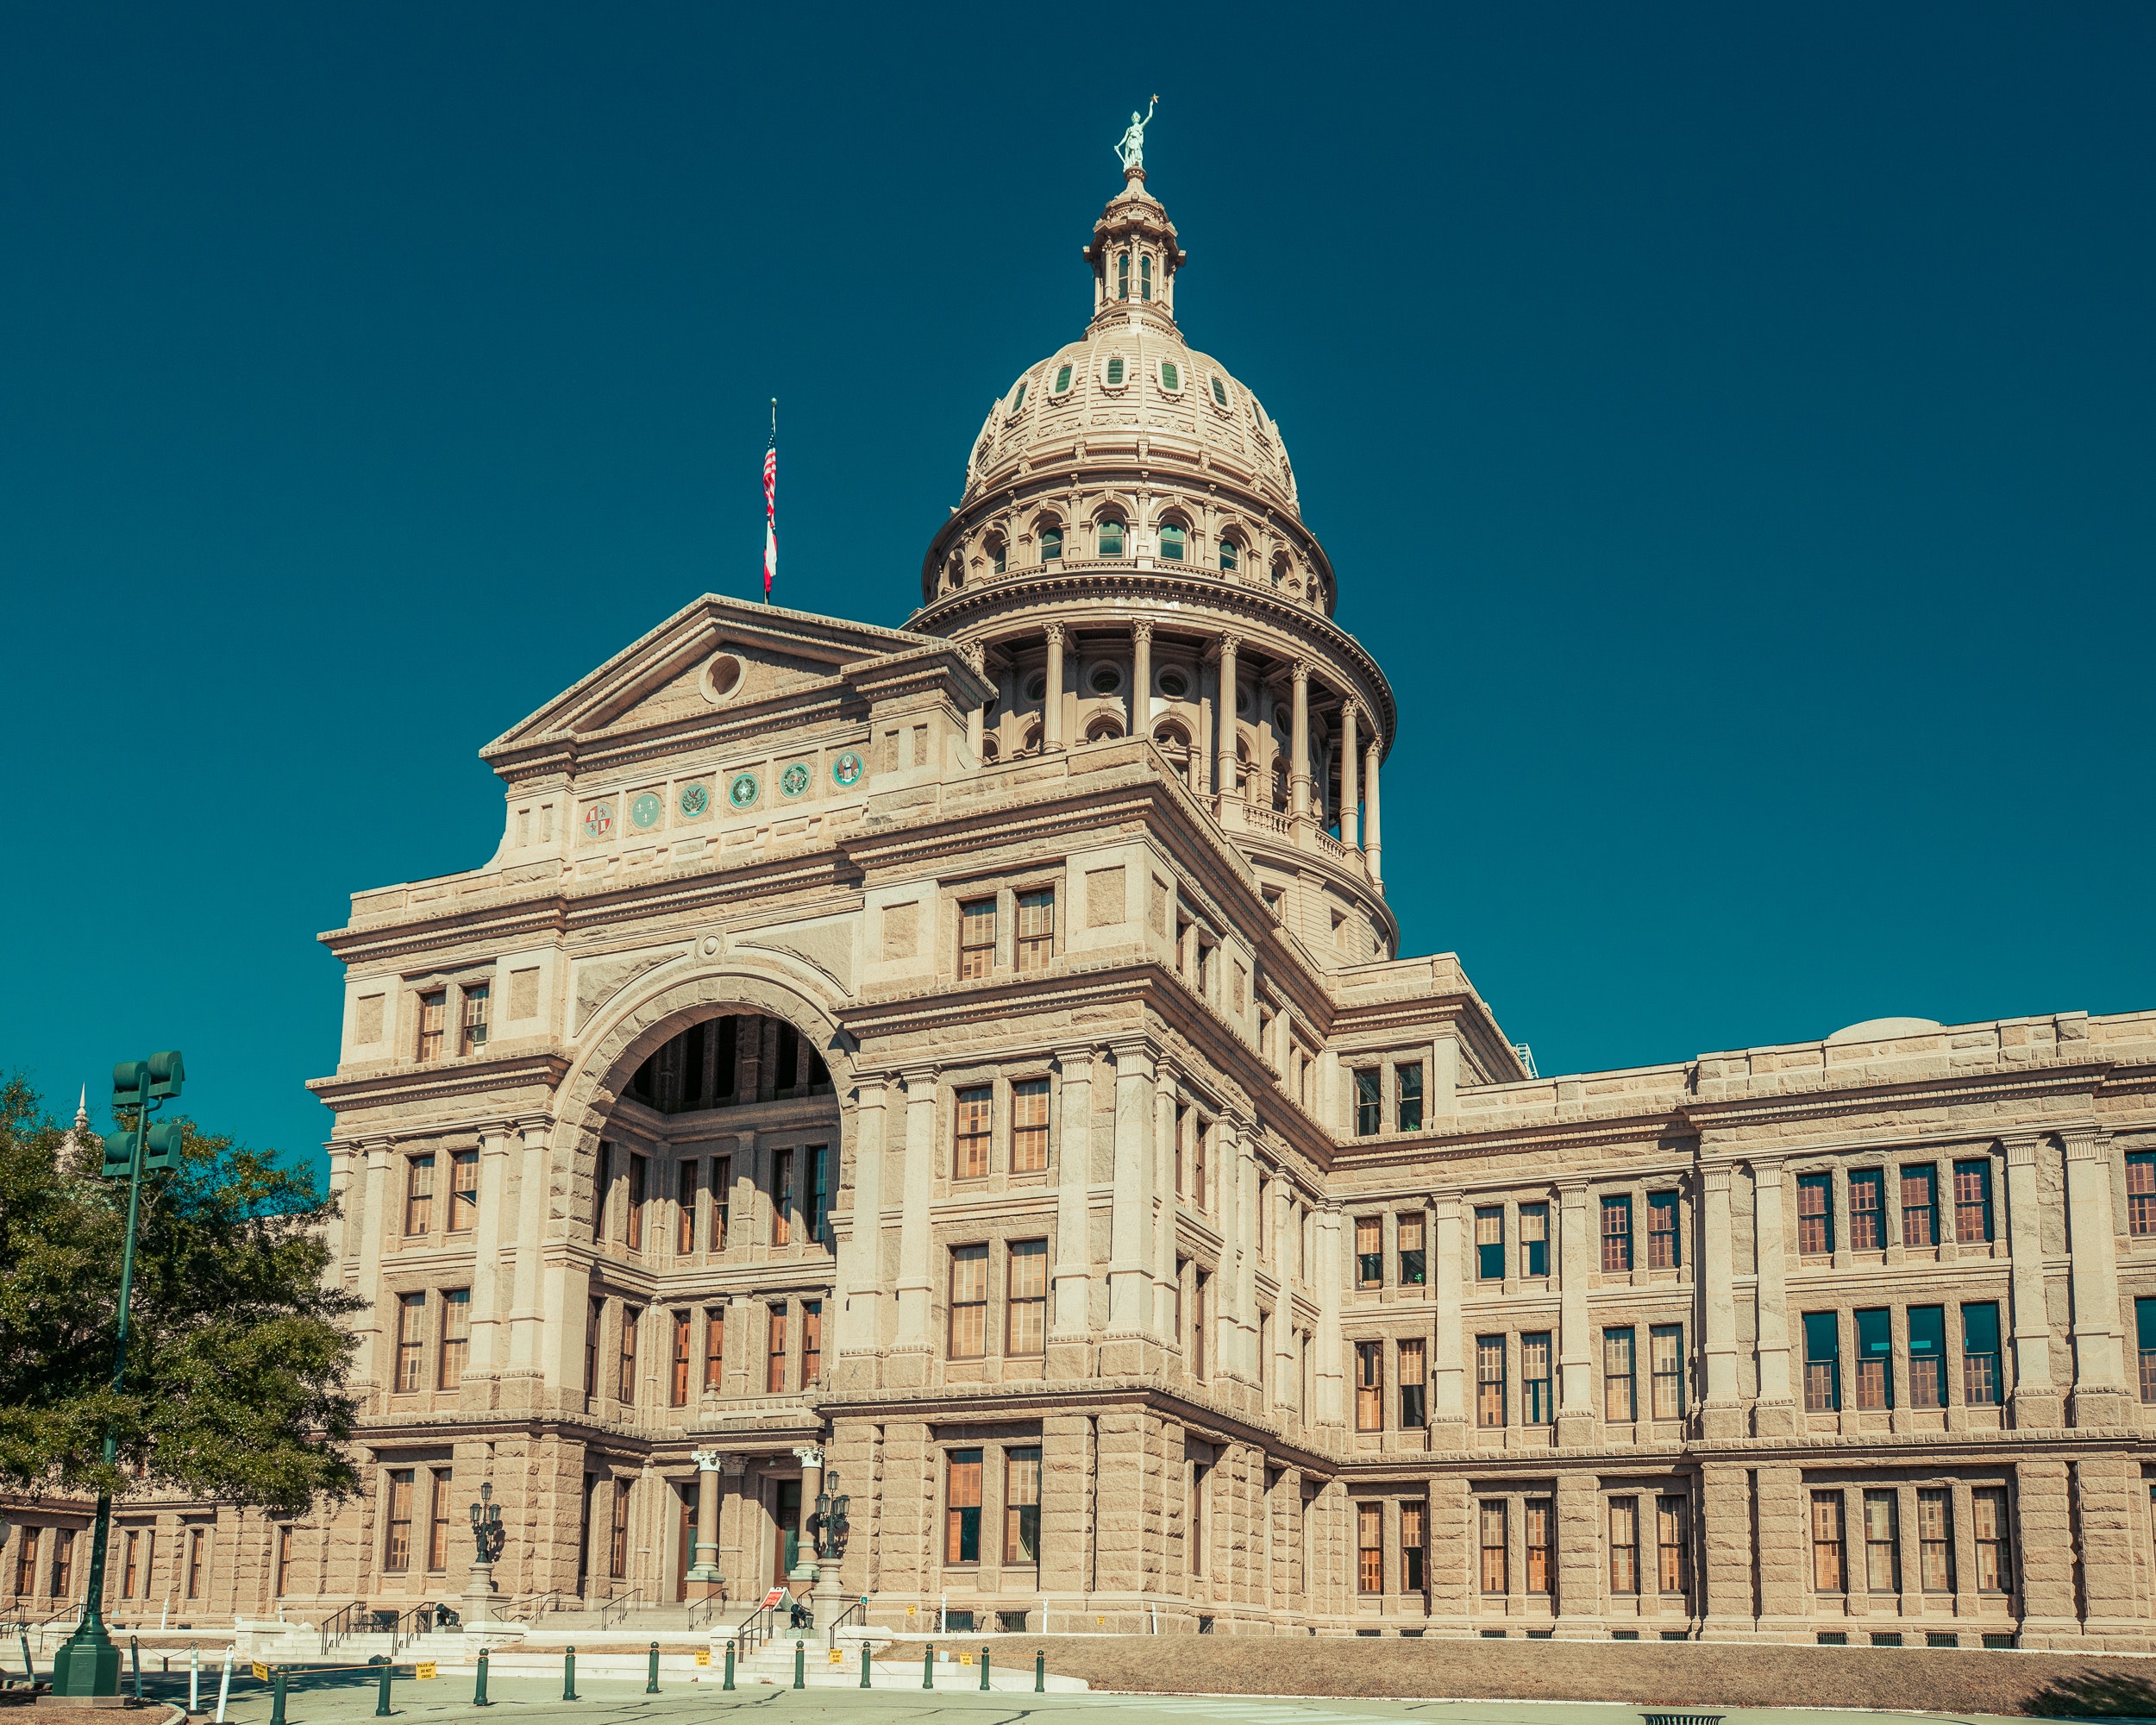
687,1555
785,1537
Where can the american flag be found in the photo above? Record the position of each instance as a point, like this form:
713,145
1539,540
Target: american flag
771,507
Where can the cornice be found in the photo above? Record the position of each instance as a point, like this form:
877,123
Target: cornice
442,1082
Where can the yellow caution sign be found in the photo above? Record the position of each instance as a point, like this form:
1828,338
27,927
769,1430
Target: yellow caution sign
838,1656
424,1669
262,1672
965,1658
1100,1622
912,1610
703,1656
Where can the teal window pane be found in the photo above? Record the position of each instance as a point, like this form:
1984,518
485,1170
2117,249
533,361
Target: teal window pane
1927,1330
1062,378
1875,1337
1115,371
1051,544
1220,394
2145,1324
1019,400
1169,377
1822,1337
1227,554
1171,544
1111,539
1980,1327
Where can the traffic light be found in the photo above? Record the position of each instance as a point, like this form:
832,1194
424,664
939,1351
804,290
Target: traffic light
165,1072
135,1085
161,1149
119,1155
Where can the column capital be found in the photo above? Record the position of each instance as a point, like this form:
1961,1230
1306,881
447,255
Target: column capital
1229,641
1301,673
1350,711
1054,632
708,1461
2021,1148
1142,629
2086,1144
1075,1061
1715,1177
1132,1050
919,1077
871,1083
810,1456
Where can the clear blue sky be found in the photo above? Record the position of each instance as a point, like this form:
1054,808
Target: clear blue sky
1731,427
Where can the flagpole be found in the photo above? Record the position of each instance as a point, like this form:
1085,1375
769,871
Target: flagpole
771,504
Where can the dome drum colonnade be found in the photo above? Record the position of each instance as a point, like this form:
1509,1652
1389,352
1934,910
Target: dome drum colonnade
1199,576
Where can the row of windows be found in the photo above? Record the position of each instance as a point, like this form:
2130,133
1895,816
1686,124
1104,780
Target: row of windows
1035,945
813,1215
682,1358
1925,1358
709,1064
1881,1534
1670,1525
54,1560
1867,1230
1491,1261
464,1192
471,1021
1369,1099
1110,535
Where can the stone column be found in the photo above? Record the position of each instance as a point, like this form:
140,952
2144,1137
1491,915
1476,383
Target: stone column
1373,848
908,1363
1250,1195
1130,1274
2044,1535
1721,1409
1575,1357
863,1294
1068,1354
1725,1547
1775,1411
485,1355
2100,1396
368,1368
1225,780
1299,746
804,1565
1331,1342
1052,692
526,1314
1141,678
976,731
2036,1402
1448,1384
1164,1200
1350,797
1577,1507
705,1575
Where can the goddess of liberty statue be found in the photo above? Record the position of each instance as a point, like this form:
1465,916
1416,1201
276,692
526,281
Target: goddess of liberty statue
1130,150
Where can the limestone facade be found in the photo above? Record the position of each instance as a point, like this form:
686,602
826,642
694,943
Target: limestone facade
978,1057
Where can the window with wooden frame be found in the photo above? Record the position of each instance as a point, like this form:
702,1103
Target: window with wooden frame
1370,1548
976,938
1827,1564
1036,929
26,1562
602,1191
962,1506
1490,1381
1927,1356
411,1342
1538,1403
1624,1545
1534,1239
2145,1346
639,1179
1407,1096
2140,1192
1673,1542
775,1352
1200,1303
473,1038
1413,1261
1540,1529
1489,1243
1201,1163
284,1560
1616,1235
1621,1395
684,1208
63,1565
1822,1362
1198,1486
1875,1359
625,1380
1994,1548
1496,1554
129,1569
1881,1542
438,1518
434,1019
1370,1252
1413,1380
1867,1209
1664,1250
456,1338
781,1197
1025,1322
419,1195
594,1315
722,1200
464,1190
811,1343
1980,1377
1022,1505
968,1302
1414,1537
973,1128
1935,1540
1370,1103
618,1542
1972,1200
819,1193
714,1350
1920,1206
677,1384
396,1546
1029,1125
1815,1214
1369,1386
1666,1343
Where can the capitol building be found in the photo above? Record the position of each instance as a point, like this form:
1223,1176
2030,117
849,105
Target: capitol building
972,1067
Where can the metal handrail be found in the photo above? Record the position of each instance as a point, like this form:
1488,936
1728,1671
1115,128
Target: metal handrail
618,1607
754,1632
703,1610
855,1613
540,1604
340,1626
414,1623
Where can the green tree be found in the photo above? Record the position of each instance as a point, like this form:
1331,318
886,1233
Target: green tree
236,1357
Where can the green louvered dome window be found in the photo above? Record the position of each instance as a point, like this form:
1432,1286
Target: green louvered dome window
1220,392
1051,544
1062,378
1115,369
1227,555
1169,377
1171,543
1112,538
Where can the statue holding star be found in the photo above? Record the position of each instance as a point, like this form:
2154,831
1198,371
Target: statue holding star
1130,150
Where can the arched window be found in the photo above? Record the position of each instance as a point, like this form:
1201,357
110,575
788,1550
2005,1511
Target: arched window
1115,369
1051,544
1171,378
1031,742
1103,726
1220,392
1123,275
1174,742
1062,378
1227,555
1019,400
996,555
1146,277
1111,537
989,751
1171,543
1280,571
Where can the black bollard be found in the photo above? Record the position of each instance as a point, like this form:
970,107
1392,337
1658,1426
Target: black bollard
381,1695
568,1675
1040,1671
800,1665
651,1682
277,1697
984,1668
479,1689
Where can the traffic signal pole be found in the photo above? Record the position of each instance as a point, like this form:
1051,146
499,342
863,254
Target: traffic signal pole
88,1662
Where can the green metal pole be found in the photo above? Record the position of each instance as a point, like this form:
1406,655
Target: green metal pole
479,1693
651,1682
1040,1671
277,1697
864,1664
800,1665
729,1684
381,1690
568,1675
984,1668
134,1658
928,1667
89,1663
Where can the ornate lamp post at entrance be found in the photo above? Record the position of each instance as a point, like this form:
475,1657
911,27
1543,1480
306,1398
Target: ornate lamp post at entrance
89,1663
487,1537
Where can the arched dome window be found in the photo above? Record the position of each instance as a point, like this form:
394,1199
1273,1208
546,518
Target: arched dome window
1104,727
1220,392
1171,543
1115,371
1171,379
1279,570
990,752
1017,401
1051,544
1110,537
998,554
1123,275
1228,554
1146,277
1031,742
1174,742
1062,381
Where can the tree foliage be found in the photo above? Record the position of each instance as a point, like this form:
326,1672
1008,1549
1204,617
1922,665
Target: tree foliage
236,1357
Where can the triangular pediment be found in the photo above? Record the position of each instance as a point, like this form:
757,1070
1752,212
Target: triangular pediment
715,659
